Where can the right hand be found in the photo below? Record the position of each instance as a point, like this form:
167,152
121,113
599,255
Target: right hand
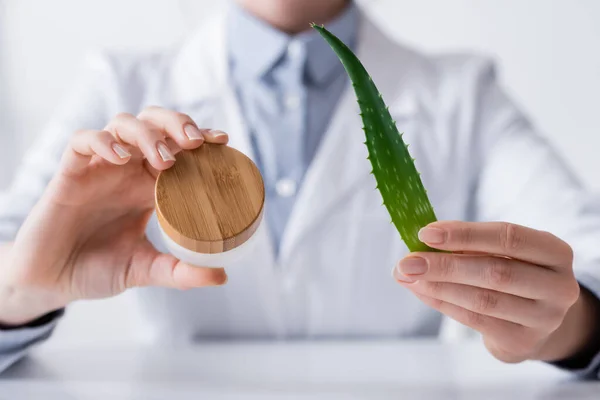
84,239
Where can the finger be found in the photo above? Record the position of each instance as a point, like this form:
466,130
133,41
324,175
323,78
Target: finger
500,238
88,143
178,126
501,354
216,136
514,336
497,273
151,268
507,307
173,145
151,141
174,149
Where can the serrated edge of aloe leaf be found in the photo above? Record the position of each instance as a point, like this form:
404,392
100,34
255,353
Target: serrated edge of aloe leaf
405,199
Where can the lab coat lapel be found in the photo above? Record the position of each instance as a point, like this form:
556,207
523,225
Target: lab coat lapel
340,165
198,84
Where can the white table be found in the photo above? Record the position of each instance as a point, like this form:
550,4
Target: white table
326,370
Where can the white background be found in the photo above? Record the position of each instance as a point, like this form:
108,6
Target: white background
548,52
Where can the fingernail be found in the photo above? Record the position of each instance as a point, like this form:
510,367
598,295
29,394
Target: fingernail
432,235
215,133
120,151
192,132
413,266
399,276
164,152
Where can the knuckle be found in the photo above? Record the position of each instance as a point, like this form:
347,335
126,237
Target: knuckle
434,289
474,320
123,116
465,235
182,117
90,136
498,274
77,137
570,254
130,278
511,237
566,249
103,134
484,301
565,294
147,131
570,293
149,110
447,267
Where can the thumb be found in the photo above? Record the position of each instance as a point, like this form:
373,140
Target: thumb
148,267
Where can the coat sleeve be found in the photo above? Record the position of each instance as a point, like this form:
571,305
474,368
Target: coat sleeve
522,179
87,106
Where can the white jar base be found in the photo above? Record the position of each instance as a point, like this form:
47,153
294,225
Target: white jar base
215,260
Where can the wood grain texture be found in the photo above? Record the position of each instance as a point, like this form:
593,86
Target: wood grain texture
211,200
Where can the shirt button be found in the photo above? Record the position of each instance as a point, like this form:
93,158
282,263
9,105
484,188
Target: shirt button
295,50
292,101
285,187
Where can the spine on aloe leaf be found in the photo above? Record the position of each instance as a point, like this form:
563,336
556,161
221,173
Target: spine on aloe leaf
394,169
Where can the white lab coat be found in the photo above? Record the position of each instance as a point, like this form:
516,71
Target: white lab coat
479,159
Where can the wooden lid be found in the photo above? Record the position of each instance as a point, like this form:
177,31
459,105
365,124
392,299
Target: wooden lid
211,200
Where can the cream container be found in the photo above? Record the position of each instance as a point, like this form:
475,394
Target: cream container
209,206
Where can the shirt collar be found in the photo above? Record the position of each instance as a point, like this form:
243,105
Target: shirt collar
255,47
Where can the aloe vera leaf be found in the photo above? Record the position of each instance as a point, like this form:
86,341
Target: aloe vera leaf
394,169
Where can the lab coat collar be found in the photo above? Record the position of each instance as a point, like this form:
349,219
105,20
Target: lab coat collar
198,82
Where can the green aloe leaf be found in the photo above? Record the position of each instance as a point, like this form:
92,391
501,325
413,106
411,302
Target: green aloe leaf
394,169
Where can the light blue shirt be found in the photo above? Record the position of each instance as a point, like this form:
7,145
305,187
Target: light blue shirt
288,87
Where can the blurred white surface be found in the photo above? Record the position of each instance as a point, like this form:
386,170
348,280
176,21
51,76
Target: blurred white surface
381,370
547,52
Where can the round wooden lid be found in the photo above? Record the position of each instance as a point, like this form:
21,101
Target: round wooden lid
211,200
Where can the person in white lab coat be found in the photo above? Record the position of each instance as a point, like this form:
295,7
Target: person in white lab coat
73,222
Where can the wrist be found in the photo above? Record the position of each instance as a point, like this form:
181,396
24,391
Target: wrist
22,304
576,334
20,307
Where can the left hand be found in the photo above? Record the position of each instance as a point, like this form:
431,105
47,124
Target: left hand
513,284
